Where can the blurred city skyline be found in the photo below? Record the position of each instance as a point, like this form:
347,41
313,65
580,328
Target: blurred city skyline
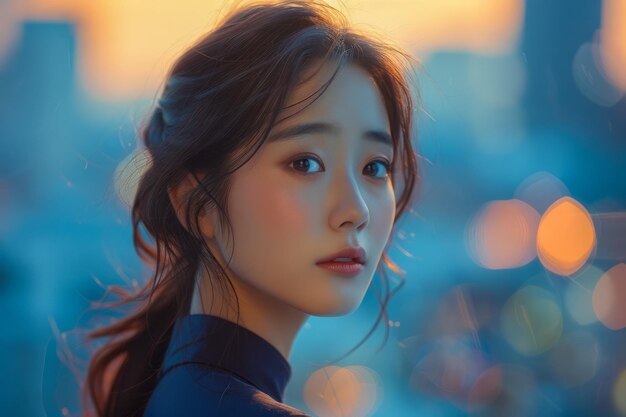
522,136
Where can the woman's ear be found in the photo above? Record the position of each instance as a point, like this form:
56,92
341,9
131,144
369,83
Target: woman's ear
179,197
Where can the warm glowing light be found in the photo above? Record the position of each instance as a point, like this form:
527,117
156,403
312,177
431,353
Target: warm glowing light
9,29
608,298
540,190
613,41
575,359
480,25
619,393
578,294
566,237
53,9
335,391
128,173
589,76
502,234
126,47
371,387
531,321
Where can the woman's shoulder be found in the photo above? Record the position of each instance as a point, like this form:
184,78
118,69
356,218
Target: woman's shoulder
194,391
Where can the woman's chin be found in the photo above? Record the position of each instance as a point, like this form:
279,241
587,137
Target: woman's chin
330,307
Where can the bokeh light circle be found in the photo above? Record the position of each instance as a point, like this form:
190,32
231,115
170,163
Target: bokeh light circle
566,237
578,294
540,190
335,391
486,389
609,297
588,74
502,234
531,321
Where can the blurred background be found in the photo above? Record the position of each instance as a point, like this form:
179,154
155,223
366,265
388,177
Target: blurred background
514,256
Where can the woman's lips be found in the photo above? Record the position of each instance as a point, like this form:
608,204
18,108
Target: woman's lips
342,268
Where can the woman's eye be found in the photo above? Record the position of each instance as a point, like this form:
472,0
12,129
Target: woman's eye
299,166
303,165
386,166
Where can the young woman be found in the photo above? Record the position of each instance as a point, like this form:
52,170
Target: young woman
276,151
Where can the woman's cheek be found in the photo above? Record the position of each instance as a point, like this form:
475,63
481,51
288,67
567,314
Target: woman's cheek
281,210
385,213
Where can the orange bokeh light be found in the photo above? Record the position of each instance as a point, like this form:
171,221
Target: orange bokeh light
335,391
566,237
613,41
502,235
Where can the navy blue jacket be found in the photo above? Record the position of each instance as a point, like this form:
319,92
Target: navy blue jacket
214,367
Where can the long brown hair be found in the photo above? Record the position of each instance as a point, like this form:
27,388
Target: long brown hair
219,102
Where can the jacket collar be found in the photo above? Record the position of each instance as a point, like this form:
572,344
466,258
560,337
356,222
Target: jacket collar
225,345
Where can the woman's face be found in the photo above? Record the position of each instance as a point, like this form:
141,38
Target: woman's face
303,198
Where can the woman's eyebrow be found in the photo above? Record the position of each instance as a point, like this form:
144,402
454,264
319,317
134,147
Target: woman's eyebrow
293,132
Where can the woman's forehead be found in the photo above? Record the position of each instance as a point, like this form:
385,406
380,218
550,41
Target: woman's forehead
352,92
